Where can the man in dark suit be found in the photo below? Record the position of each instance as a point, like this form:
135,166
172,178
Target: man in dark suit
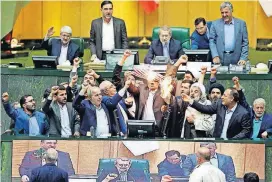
232,119
49,171
200,37
223,162
172,164
122,171
63,48
33,159
261,121
228,38
165,46
107,33
64,120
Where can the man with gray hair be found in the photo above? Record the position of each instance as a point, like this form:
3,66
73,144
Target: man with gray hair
205,171
165,46
221,161
228,38
262,121
49,171
63,48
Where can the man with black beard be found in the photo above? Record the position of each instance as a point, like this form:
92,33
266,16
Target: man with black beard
27,119
215,92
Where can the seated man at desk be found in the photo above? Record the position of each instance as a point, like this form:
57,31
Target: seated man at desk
122,171
200,37
63,48
165,46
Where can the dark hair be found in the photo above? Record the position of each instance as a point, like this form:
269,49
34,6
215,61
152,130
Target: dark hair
189,72
46,93
105,3
61,87
234,93
188,81
199,20
251,177
23,99
171,153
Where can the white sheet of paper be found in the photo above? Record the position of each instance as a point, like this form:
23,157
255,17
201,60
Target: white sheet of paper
267,7
141,147
197,65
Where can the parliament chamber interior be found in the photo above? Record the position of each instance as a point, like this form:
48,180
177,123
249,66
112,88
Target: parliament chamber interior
136,91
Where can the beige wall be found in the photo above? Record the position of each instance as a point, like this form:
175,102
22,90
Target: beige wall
85,155
35,19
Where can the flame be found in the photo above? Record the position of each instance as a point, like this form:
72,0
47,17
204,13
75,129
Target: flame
166,89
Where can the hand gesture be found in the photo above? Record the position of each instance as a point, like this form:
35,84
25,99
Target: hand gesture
127,53
76,134
25,178
127,84
203,70
76,62
216,60
91,72
5,97
185,98
213,71
111,176
182,60
166,178
264,135
236,83
241,62
50,32
190,118
163,108
129,100
74,80
84,86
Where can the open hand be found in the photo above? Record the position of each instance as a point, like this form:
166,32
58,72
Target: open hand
50,32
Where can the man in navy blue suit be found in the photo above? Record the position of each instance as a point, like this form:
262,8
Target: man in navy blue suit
261,121
49,171
33,159
200,37
63,48
223,162
165,46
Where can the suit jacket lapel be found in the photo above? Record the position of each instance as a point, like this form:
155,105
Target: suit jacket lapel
234,115
100,29
56,110
70,114
59,47
159,48
236,30
222,28
114,29
69,51
220,161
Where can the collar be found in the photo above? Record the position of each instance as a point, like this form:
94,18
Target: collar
33,114
232,109
107,22
60,106
167,43
50,164
214,157
153,92
259,120
230,23
98,108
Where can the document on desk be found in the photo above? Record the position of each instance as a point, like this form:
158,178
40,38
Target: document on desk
141,147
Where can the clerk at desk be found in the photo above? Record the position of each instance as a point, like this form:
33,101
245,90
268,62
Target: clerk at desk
165,46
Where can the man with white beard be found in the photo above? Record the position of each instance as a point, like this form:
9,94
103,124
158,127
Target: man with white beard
195,123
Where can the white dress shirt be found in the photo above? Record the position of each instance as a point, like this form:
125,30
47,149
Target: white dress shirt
63,54
65,124
226,122
107,36
102,127
206,172
148,110
214,160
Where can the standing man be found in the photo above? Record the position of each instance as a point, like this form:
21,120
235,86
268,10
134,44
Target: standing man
107,33
64,120
33,159
49,171
27,119
200,37
221,161
64,48
232,119
205,171
229,38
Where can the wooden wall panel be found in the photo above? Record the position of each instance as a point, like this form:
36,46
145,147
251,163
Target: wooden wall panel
85,155
51,17
71,15
255,159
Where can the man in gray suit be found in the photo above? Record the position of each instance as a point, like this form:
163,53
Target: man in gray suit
228,38
64,120
223,162
107,33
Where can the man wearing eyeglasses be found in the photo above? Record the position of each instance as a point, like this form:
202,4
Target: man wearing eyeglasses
200,37
63,48
27,119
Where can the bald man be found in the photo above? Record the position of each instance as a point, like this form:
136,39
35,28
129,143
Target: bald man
49,171
205,171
